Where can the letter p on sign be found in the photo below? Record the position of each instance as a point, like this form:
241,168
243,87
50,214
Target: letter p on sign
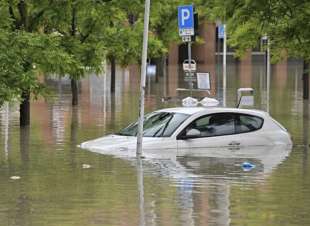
185,16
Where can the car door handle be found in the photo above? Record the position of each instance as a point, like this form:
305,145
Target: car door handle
234,143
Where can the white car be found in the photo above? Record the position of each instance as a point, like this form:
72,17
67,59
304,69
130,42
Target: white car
183,130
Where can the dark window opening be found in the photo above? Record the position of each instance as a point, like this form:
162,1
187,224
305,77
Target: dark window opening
224,124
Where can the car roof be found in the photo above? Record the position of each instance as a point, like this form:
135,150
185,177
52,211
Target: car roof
211,110
183,110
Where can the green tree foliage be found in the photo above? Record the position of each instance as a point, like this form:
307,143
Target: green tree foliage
79,24
124,35
23,56
163,26
26,50
72,37
8,75
285,22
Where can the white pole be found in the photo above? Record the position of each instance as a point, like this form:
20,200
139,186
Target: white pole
141,191
268,75
262,85
143,75
224,66
189,49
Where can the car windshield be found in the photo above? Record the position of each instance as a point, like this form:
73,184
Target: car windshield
156,124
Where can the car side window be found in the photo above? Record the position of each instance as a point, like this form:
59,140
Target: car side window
222,124
225,124
248,123
214,125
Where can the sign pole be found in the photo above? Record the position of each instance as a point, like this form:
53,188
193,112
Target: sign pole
189,48
186,23
268,74
218,38
143,75
224,66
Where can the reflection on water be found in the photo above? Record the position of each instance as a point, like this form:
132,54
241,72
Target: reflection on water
55,189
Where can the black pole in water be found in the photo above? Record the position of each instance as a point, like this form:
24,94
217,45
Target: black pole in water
113,74
25,109
305,78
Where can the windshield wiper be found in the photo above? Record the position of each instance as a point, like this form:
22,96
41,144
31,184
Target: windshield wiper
163,128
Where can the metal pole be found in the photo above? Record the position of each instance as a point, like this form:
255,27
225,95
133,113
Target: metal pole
105,100
141,191
261,82
224,66
143,75
296,86
218,63
268,75
305,78
189,49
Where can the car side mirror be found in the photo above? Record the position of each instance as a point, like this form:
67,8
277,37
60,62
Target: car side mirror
193,133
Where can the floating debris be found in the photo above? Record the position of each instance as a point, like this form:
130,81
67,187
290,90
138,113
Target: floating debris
247,166
123,149
86,166
15,177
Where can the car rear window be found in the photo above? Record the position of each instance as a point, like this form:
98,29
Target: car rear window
248,123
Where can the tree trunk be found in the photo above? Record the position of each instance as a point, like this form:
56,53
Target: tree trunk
305,78
25,109
74,127
160,67
22,8
75,92
73,19
165,73
74,85
112,61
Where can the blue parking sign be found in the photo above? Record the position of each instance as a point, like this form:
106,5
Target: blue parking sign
221,31
186,20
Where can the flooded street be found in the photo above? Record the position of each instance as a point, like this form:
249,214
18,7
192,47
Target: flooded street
45,179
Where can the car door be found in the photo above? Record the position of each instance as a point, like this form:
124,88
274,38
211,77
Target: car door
231,130
215,130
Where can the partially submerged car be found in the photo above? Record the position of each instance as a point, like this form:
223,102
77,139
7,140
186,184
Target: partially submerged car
181,130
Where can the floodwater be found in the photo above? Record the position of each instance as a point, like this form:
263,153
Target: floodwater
45,179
